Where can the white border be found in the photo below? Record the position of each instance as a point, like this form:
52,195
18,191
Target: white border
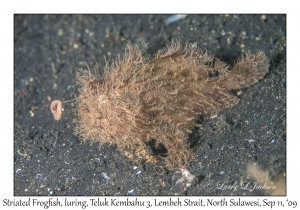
207,7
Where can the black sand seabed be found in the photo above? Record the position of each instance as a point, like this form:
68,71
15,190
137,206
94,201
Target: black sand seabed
50,160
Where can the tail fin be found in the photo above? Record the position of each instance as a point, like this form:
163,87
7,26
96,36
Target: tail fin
246,72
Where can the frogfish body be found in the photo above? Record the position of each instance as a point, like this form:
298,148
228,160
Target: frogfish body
139,100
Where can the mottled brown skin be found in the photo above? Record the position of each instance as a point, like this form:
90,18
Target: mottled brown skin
161,99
